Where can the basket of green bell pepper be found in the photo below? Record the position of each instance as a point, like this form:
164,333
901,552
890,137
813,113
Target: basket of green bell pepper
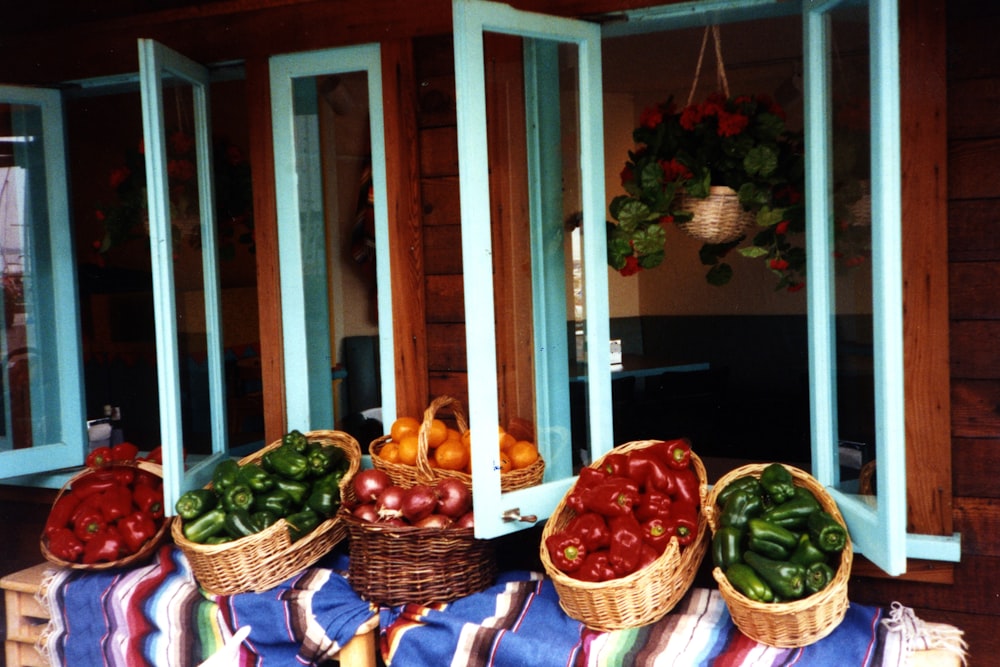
782,553
270,514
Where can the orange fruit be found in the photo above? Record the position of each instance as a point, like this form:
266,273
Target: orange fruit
407,448
390,452
402,427
522,454
505,463
452,434
437,433
506,441
451,455
467,439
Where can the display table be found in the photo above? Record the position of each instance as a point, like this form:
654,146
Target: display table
156,614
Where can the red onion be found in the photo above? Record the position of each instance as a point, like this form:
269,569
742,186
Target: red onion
464,521
366,512
454,497
369,484
419,501
390,502
433,521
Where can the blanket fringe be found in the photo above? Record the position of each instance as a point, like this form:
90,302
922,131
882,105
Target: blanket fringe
918,635
48,588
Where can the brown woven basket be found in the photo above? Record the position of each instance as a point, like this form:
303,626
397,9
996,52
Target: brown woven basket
406,476
642,597
785,624
262,560
394,565
718,218
132,559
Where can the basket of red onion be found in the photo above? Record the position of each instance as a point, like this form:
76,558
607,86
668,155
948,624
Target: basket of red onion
392,529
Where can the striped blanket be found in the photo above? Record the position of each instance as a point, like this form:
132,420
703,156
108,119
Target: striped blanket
157,615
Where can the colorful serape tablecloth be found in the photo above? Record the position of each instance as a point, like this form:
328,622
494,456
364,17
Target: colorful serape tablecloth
157,615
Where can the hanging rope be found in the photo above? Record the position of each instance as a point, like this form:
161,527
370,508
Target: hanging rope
720,68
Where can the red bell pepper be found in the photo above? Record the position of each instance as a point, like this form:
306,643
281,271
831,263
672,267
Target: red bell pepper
566,550
613,497
615,464
626,544
592,528
677,453
124,451
155,455
657,533
587,478
136,528
98,457
148,499
653,504
687,486
115,503
62,511
647,555
647,470
64,544
93,483
684,516
596,567
146,478
88,520
104,547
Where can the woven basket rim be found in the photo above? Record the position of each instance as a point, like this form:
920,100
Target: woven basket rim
143,553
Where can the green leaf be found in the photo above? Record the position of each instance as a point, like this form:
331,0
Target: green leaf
651,260
649,240
719,275
761,161
631,214
768,217
753,252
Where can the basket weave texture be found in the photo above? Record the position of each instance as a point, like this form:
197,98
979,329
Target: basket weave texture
394,565
132,559
262,560
785,624
406,476
642,597
718,218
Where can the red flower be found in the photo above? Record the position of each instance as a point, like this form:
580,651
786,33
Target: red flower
666,220
631,266
781,227
690,117
181,143
795,287
119,176
731,124
650,118
779,264
627,176
673,170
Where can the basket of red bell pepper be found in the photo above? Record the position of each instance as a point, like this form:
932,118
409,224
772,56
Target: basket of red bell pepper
108,515
624,544
781,553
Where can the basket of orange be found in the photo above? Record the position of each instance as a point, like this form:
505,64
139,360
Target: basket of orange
420,451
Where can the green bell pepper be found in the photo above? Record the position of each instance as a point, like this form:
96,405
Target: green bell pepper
740,507
205,526
806,553
324,498
826,532
302,523
818,577
296,440
286,462
226,473
195,502
727,547
296,490
794,512
323,459
740,483
777,483
254,476
218,539
764,530
239,524
237,497
263,519
747,581
787,580
276,500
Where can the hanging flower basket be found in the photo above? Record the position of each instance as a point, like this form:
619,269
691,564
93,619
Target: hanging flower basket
717,218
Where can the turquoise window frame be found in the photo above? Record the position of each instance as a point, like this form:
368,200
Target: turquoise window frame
57,391
155,63
501,513
304,306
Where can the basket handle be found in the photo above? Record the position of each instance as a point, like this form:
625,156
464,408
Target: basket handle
720,67
423,465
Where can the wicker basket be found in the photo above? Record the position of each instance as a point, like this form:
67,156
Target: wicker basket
406,476
262,560
139,556
785,624
718,218
642,597
394,565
